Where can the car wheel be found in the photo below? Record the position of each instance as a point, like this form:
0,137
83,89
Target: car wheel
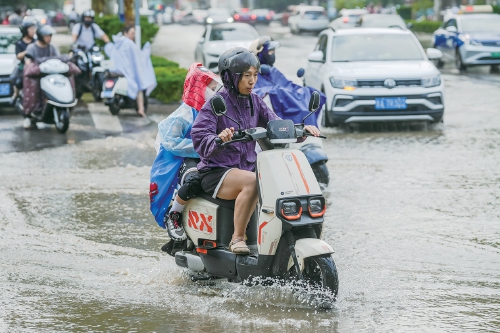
325,121
458,61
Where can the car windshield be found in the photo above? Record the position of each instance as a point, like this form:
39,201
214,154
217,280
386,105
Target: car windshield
312,14
218,12
375,47
372,21
8,43
37,12
262,12
483,24
233,33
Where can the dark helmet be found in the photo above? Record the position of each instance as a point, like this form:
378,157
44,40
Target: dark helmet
88,13
236,61
45,30
27,22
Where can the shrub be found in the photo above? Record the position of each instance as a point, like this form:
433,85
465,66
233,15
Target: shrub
405,12
163,62
496,9
425,26
112,25
170,78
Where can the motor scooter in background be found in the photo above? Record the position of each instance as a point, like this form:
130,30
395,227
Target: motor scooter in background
284,232
114,91
59,97
312,147
92,75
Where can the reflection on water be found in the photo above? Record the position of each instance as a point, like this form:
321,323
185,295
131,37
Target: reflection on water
413,216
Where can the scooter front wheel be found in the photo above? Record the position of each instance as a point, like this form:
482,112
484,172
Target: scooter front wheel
61,119
321,271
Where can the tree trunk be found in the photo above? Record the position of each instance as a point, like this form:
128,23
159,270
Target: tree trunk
103,6
129,11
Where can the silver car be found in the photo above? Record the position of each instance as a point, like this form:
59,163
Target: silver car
308,18
221,37
8,61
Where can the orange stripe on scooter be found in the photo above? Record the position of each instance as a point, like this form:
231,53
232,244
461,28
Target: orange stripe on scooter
301,173
260,231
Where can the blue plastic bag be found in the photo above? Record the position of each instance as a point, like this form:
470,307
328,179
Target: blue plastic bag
163,182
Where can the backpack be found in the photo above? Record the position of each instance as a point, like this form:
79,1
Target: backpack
81,28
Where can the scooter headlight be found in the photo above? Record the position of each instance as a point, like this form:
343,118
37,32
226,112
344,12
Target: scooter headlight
291,210
316,207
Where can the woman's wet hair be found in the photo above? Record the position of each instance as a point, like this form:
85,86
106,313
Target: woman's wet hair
127,28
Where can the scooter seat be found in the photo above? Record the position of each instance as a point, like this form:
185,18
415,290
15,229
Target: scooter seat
112,75
224,203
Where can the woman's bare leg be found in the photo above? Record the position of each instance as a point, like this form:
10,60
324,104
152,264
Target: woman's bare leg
242,186
140,104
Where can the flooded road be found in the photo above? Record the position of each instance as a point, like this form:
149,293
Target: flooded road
413,215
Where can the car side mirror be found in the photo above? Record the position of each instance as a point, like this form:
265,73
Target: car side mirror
218,105
316,56
434,54
201,40
301,72
409,26
452,29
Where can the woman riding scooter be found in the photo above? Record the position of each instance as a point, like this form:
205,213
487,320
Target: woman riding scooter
226,172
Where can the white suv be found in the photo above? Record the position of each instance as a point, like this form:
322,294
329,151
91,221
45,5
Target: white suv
371,75
308,18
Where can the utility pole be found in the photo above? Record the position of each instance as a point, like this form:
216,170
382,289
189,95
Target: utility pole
137,23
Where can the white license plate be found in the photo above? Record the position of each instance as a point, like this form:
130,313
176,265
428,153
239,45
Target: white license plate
4,89
397,103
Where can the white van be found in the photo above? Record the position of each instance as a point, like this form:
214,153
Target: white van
308,18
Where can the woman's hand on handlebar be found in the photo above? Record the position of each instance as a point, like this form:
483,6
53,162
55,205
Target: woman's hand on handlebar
227,134
312,129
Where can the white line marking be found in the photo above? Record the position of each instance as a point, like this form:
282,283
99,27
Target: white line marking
103,119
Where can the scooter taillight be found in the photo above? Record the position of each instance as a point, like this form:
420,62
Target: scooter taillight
109,84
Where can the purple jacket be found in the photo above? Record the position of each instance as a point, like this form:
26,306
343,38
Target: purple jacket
207,126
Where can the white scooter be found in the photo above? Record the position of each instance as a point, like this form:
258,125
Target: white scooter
114,90
284,231
60,98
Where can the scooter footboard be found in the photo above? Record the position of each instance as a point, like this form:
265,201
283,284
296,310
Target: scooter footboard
311,247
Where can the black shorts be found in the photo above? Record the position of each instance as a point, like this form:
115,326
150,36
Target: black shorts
211,180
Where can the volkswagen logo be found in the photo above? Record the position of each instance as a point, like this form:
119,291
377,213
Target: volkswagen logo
390,83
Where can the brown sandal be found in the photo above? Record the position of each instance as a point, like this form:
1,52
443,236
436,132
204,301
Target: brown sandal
239,246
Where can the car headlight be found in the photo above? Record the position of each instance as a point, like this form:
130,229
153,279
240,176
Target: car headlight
475,42
213,55
343,83
432,81
209,20
230,20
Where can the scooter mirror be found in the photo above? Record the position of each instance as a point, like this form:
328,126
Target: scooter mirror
218,105
301,72
314,102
